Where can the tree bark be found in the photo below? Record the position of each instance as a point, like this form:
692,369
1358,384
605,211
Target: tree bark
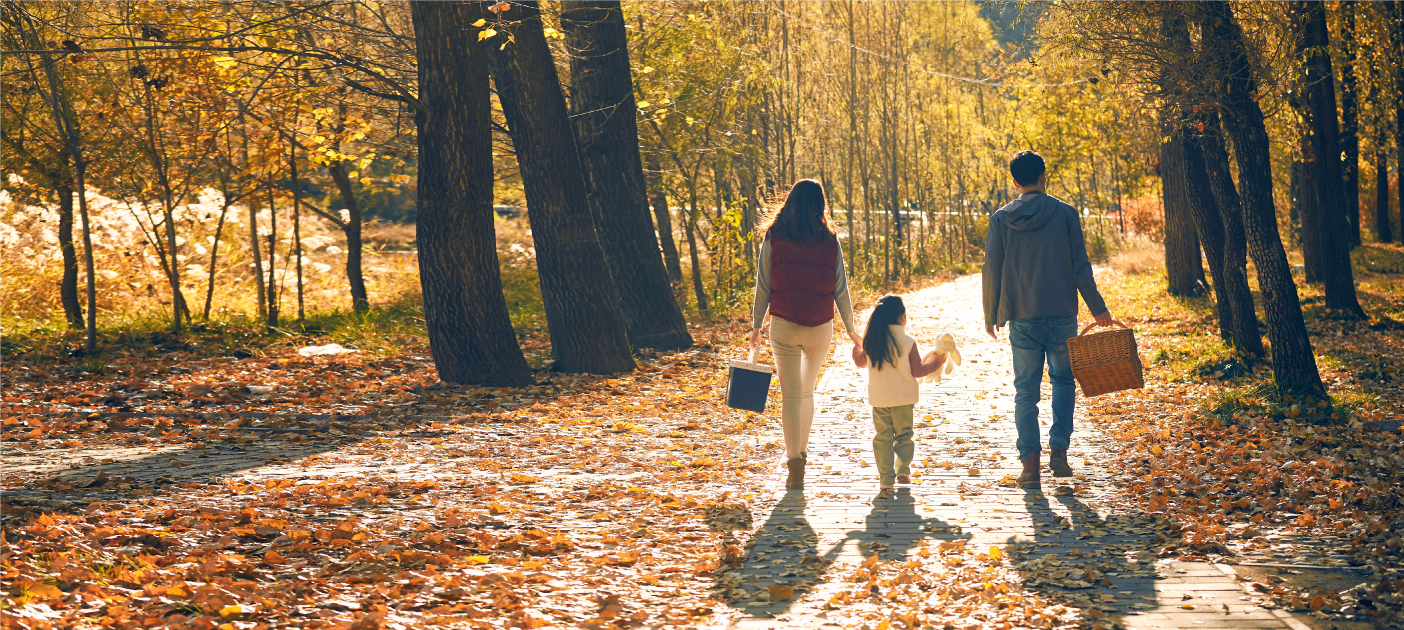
607,137
1337,277
1293,363
360,299
1350,124
1182,263
470,333
664,217
1383,230
1208,224
582,303
1246,337
68,287
1398,37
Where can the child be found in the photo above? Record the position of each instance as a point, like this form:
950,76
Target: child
895,367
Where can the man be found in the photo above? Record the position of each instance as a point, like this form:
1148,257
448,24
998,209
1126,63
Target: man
1035,265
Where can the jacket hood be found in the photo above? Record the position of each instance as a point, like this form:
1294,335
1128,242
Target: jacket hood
1030,211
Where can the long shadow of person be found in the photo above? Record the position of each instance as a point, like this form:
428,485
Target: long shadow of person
1085,560
785,555
893,527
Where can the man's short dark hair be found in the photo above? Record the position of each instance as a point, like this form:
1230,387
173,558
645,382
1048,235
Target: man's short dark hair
1026,167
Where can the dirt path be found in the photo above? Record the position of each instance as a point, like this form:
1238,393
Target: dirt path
1072,541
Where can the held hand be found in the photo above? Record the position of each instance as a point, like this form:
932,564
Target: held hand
857,338
990,329
1105,319
755,337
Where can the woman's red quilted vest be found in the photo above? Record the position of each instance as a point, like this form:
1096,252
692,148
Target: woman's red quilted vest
802,281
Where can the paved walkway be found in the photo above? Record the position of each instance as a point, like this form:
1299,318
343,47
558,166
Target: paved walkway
838,517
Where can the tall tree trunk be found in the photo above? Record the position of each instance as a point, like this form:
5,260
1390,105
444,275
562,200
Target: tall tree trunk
68,287
360,299
1296,187
1246,337
607,137
257,261
1293,363
1383,230
1350,124
1208,223
664,218
214,253
581,300
274,298
690,229
297,229
1182,263
470,333
1398,37
1308,207
1337,277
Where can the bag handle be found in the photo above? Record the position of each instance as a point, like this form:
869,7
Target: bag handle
754,351
1094,323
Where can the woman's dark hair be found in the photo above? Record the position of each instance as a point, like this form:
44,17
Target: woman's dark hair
803,218
1026,167
878,342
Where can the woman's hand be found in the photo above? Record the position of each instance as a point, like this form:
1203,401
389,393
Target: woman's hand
755,337
857,338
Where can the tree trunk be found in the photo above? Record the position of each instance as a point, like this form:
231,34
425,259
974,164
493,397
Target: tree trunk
664,217
257,260
607,137
274,298
214,252
581,300
690,228
360,299
1246,337
1308,207
297,230
470,333
1350,125
1383,229
1208,223
1182,262
1337,277
1296,197
68,287
1399,111
1293,363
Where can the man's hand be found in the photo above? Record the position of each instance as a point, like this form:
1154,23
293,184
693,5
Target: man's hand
857,338
1105,319
755,337
991,329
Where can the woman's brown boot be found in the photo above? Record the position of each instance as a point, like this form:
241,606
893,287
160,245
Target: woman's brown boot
1029,478
796,477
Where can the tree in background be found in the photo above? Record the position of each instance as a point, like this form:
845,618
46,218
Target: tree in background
607,138
581,300
470,333
1328,219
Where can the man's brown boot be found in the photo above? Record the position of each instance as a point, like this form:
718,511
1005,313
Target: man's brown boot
1058,461
1029,478
796,477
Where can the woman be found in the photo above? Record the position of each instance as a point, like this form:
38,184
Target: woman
800,278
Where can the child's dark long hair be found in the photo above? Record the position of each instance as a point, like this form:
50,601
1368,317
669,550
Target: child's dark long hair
878,342
803,218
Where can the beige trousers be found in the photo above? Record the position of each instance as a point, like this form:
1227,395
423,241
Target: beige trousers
799,352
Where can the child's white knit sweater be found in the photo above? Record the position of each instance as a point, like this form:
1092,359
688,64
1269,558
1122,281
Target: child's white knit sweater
898,385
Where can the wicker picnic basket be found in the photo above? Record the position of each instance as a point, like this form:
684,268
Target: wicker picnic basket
1107,361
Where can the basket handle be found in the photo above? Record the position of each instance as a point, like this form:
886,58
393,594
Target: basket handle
754,351
1089,326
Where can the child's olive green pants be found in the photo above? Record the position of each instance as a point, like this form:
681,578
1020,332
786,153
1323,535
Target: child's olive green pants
893,440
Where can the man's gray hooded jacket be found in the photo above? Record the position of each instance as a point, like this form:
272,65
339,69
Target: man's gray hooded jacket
1036,262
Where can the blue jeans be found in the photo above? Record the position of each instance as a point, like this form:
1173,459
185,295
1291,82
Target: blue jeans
1036,341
